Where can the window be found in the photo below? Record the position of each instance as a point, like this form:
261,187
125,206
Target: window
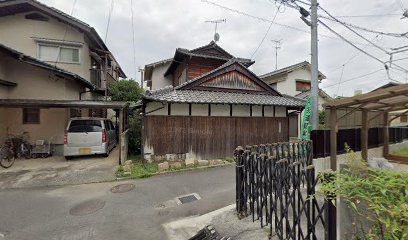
85,126
403,118
31,116
62,54
302,86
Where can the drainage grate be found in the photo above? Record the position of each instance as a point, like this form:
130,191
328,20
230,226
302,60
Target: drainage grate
122,188
187,198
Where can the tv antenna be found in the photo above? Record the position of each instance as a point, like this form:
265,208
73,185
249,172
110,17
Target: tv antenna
216,35
277,47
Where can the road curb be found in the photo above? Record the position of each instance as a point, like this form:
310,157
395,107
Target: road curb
179,171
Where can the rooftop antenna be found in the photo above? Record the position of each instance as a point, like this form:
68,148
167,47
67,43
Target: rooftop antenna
277,47
216,35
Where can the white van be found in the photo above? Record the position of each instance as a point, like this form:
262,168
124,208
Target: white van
89,136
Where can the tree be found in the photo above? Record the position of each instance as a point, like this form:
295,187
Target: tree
125,90
129,91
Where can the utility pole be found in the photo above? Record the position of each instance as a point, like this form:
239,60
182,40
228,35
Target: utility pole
277,46
315,67
141,70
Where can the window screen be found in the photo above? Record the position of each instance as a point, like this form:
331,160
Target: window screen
58,54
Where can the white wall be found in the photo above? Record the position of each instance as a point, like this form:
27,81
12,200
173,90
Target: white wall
179,109
199,109
220,110
158,79
280,111
268,111
257,111
151,106
241,111
289,86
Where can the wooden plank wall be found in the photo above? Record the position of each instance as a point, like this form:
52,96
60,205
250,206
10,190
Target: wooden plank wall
211,137
200,66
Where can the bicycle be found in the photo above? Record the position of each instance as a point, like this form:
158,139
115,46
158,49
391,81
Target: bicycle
14,147
7,154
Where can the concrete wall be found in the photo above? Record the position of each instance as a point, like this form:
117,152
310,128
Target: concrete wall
35,83
52,124
158,79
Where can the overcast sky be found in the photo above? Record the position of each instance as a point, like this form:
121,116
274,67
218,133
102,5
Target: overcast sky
161,26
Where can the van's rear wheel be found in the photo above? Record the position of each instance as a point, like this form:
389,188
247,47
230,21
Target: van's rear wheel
68,157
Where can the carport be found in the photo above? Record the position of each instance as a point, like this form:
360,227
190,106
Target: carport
119,107
372,105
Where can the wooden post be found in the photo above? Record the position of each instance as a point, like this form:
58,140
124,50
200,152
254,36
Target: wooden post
333,139
364,135
121,124
386,135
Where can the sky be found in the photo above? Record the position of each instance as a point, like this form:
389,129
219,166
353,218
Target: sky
161,26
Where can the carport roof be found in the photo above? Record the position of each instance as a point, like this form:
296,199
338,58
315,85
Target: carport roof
387,100
37,103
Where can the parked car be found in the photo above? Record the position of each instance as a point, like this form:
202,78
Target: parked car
89,136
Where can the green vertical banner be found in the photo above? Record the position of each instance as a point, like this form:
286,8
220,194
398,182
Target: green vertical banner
306,126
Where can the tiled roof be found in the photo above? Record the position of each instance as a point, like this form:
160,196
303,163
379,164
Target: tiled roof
245,61
169,94
289,69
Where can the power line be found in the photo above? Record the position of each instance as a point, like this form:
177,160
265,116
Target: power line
397,35
354,78
349,28
268,21
368,16
109,19
266,34
344,39
133,38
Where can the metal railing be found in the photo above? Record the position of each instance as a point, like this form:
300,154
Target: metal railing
275,183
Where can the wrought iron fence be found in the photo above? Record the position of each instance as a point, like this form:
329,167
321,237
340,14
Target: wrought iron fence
275,184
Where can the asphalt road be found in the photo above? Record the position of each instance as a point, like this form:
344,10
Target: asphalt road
44,213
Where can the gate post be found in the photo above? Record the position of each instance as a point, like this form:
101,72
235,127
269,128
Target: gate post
331,211
239,184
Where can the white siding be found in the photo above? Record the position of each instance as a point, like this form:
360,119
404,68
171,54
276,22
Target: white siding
257,111
220,110
151,106
241,111
179,109
199,109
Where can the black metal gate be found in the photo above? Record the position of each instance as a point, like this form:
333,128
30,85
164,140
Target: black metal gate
275,183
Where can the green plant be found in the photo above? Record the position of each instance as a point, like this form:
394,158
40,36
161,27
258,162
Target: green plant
229,159
138,170
129,91
381,197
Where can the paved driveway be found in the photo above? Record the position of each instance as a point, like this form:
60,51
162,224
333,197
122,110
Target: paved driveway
56,170
44,213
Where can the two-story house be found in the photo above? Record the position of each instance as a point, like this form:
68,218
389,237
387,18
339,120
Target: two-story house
212,104
295,80
51,66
